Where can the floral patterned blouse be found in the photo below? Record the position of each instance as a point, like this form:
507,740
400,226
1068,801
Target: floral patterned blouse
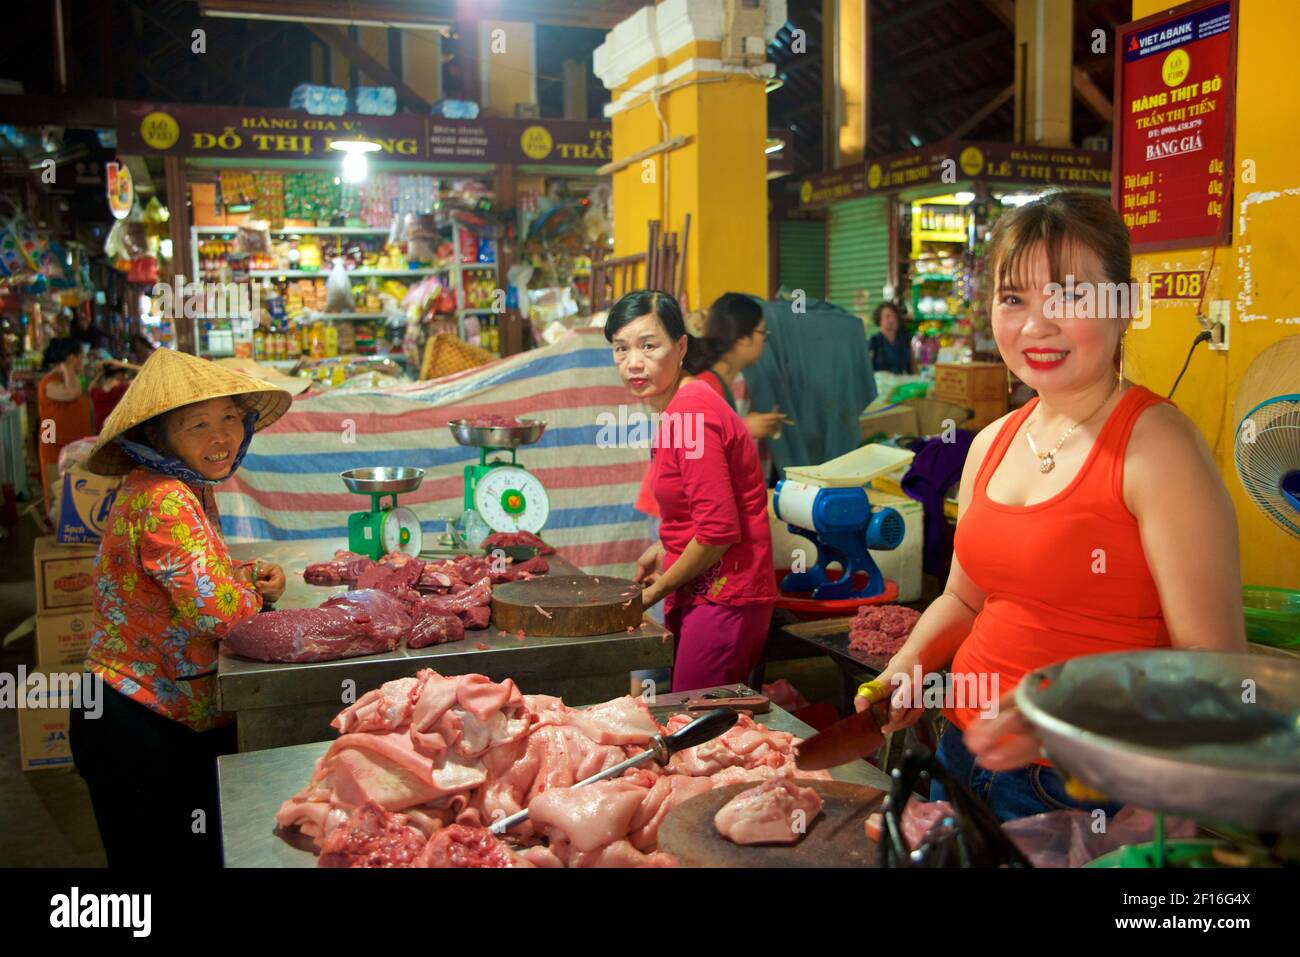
165,595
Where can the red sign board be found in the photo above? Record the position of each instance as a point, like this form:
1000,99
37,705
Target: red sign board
1174,103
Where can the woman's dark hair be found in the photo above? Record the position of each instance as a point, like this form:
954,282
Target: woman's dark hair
59,349
643,302
880,311
139,339
732,317
665,308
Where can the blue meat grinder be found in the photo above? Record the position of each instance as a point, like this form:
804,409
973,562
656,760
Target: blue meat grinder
843,524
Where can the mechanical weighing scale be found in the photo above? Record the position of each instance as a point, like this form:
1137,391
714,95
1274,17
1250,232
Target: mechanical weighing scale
500,494
385,528
828,504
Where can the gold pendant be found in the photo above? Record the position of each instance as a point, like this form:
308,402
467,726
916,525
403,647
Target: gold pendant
1047,463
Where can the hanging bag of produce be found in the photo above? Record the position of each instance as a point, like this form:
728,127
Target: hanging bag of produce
338,290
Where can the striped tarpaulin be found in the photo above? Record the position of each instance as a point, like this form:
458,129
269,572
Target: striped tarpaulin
289,485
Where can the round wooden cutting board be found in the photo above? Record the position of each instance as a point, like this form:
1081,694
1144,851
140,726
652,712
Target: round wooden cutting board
571,606
835,838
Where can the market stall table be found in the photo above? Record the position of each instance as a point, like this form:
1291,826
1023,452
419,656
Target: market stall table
283,704
253,786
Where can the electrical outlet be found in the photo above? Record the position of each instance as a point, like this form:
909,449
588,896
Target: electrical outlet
1220,322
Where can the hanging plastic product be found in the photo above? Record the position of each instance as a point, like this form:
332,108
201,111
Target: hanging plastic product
338,290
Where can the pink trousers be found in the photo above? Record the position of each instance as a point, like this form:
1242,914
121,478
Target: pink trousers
716,644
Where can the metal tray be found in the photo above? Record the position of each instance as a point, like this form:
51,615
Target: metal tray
501,437
1169,731
370,481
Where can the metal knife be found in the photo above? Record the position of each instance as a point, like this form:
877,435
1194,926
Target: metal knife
850,739
662,747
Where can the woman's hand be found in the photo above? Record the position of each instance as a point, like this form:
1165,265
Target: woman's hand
270,581
901,713
764,425
650,565
1005,742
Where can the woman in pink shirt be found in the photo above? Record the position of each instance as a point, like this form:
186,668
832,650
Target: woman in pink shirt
713,562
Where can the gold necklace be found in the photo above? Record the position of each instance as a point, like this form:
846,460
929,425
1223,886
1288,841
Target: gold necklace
1047,460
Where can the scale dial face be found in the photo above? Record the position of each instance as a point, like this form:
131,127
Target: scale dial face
401,531
511,500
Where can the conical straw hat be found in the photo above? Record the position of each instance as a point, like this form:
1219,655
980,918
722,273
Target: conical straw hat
168,380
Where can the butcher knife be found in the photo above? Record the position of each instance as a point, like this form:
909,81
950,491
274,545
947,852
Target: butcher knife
850,739
662,747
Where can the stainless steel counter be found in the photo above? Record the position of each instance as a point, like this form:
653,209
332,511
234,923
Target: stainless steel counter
253,786
283,704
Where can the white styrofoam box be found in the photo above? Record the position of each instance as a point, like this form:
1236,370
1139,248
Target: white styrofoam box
902,564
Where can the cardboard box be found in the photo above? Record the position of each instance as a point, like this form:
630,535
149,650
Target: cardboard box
65,575
84,502
62,639
43,736
967,382
891,420
931,414
985,412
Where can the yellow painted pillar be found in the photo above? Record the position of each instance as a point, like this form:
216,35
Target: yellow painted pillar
850,81
1044,56
1255,278
664,66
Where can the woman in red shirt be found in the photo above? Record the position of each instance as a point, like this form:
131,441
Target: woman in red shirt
1091,520
713,562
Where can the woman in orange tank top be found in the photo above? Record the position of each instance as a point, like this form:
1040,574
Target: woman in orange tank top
1091,520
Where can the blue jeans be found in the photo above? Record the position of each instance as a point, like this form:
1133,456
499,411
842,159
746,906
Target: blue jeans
1009,794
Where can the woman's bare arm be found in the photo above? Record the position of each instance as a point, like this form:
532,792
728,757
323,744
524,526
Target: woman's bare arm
1189,530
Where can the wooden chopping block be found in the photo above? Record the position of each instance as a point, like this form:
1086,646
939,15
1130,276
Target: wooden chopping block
570,606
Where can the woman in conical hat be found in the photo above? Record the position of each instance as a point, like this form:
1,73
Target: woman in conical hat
167,591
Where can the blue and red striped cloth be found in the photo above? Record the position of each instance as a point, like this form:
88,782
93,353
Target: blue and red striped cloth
289,485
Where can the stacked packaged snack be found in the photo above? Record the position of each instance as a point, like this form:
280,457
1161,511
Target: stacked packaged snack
269,204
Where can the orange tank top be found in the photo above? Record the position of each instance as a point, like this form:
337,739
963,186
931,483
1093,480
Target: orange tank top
1062,578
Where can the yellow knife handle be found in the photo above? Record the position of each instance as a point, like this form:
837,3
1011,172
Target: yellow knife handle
1080,791
874,690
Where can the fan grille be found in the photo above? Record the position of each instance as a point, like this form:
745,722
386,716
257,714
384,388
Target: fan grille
1273,453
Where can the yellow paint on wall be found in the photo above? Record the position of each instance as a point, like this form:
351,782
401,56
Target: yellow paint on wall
719,177
702,49
1257,271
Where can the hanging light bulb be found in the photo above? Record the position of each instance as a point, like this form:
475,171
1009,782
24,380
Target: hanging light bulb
355,165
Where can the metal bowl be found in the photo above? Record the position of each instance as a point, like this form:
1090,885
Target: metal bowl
370,481
1169,731
502,437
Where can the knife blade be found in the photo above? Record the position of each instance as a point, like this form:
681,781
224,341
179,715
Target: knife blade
850,739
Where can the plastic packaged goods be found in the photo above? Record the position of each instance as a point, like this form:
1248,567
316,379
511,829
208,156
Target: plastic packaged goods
331,341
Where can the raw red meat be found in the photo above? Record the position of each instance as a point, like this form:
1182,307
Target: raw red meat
463,846
373,838
358,623
480,593
391,578
533,568
433,629
345,568
494,420
441,753
477,617
517,540
880,630
471,568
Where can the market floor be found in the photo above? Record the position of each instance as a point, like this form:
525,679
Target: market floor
48,821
